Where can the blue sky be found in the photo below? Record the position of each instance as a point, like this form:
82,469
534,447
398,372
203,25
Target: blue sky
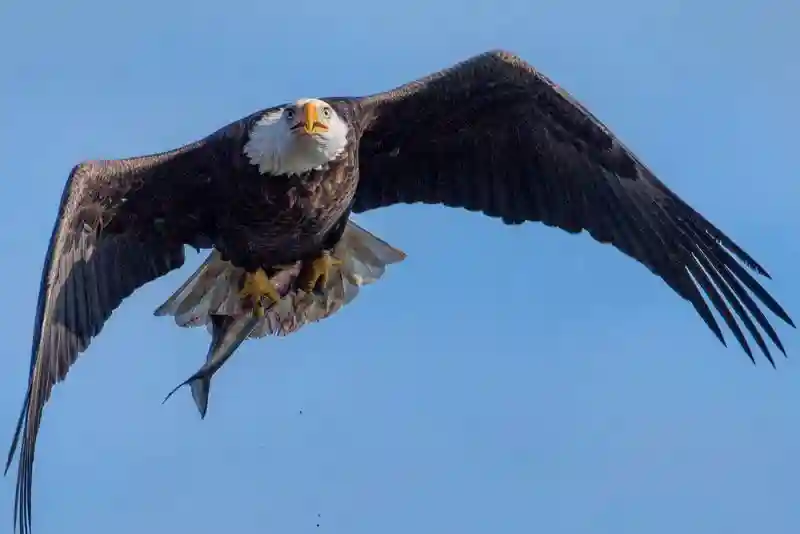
550,385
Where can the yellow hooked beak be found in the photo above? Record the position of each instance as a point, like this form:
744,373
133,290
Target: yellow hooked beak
312,124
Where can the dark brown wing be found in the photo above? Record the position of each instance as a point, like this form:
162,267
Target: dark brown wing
120,224
492,134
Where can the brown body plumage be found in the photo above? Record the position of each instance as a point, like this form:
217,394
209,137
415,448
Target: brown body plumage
262,223
208,192
491,134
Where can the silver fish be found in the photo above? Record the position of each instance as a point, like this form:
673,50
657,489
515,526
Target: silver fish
210,297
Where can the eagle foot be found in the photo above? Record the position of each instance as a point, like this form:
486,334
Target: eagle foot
315,273
258,286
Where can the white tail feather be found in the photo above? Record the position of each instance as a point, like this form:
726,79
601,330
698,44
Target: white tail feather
214,287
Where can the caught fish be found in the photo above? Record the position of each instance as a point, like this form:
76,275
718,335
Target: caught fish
210,298
228,331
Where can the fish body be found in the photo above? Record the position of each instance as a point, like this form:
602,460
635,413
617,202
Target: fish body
209,298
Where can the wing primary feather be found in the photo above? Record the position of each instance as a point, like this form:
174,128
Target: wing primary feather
679,276
709,265
701,255
701,282
702,266
705,259
753,285
682,248
740,295
709,227
755,311
683,279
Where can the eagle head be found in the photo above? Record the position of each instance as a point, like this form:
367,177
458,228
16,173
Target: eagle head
297,138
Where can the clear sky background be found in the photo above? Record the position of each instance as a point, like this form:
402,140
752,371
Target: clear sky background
546,384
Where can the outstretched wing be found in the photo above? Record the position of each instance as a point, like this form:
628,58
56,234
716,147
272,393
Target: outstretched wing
120,224
492,134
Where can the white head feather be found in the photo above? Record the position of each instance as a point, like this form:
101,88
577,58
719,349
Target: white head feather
296,139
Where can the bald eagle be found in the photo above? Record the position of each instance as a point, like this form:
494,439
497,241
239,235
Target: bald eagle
489,134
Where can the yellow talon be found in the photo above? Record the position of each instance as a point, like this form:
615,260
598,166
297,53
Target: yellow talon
317,272
257,285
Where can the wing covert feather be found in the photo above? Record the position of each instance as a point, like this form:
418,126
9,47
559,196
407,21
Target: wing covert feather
492,134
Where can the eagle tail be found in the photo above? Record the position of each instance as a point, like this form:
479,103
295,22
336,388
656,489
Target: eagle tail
365,255
192,302
364,258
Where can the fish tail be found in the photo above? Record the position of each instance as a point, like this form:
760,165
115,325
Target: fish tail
227,334
201,387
